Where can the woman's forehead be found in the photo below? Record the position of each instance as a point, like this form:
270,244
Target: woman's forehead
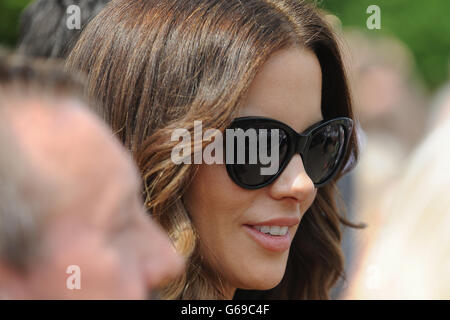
287,88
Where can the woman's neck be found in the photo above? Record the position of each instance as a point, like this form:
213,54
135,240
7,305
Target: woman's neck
228,292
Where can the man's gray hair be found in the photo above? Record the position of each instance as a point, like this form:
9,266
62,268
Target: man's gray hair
18,214
44,31
26,196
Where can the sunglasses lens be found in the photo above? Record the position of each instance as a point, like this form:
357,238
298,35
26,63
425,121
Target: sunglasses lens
251,173
325,152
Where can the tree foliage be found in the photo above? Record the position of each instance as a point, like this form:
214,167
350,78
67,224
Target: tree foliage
424,26
9,20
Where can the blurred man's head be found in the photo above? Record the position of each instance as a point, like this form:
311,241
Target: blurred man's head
44,31
70,207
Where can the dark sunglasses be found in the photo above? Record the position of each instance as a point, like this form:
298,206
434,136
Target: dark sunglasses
322,148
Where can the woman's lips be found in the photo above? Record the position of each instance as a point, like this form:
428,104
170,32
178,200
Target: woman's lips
269,242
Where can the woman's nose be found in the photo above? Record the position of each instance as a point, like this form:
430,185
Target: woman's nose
293,182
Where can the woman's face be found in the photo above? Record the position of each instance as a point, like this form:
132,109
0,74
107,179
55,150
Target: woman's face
288,88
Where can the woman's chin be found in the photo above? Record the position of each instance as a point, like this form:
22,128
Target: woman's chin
263,282
262,273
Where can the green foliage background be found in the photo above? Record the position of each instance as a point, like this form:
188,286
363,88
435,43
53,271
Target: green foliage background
9,20
423,25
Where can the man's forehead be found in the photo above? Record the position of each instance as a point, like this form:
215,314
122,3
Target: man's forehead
68,140
39,118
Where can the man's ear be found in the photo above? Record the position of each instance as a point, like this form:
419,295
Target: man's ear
12,285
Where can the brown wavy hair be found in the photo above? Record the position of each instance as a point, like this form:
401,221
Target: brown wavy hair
159,65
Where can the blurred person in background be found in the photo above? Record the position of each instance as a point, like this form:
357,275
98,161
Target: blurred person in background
44,31
440,105
390,104
408,254
69,196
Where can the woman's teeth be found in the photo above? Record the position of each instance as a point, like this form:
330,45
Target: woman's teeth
272,230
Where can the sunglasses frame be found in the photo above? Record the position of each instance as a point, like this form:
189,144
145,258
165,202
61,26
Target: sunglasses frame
298,143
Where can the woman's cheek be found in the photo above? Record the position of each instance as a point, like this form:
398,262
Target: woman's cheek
213,192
